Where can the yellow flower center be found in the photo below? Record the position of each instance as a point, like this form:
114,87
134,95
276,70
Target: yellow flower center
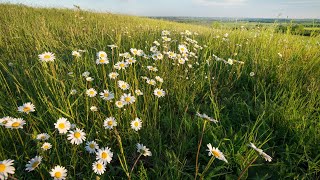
91,92
110,123
215,153
119,103
47,56
159,93
122,65
102,55
26,109
102,60
91,146
35,164
104,155
62,126
127,99
2,168
45,147
57,175
136,124
113,75
106,94
99,166
15,124
43,137
124,86
77,135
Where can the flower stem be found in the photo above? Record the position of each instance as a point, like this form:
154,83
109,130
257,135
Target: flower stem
134,165
207,167
199,145
246,168
123,158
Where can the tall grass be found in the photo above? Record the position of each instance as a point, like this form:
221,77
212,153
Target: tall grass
277,108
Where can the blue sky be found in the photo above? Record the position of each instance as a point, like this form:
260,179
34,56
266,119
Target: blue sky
203,8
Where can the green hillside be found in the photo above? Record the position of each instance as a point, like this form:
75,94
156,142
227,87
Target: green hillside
262,87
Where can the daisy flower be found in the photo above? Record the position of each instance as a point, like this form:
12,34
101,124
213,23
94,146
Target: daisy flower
154,49
46,146
26,108
91,147
46,57
43,137
140,52
5,120
58,173
112,46
104,155
130,60
230,61
159,92
127,98
15,123
123,85
158,78
159,56
110,122
181,61
76,54
143,150
156,43
206,117
216,153
138,92
91,92
73,92
183,49
151,82
33,163
6,168
89,79
171,55
102,55
106,95
86,74
102,61
99,167
113,75
125,55
136,124
119,104
134,51
77,136
63,125
260,151
252,74
120,65
151,68
165,33
93,108
166,39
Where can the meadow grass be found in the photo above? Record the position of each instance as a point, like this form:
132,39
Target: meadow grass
277,108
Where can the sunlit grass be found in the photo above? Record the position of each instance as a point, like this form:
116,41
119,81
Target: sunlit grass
271,99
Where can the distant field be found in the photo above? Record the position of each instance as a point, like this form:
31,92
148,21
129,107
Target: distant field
122,81
312,28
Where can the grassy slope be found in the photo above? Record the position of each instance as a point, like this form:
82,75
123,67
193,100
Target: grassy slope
277,109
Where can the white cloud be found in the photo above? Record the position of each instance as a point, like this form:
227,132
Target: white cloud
220,2
311,2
